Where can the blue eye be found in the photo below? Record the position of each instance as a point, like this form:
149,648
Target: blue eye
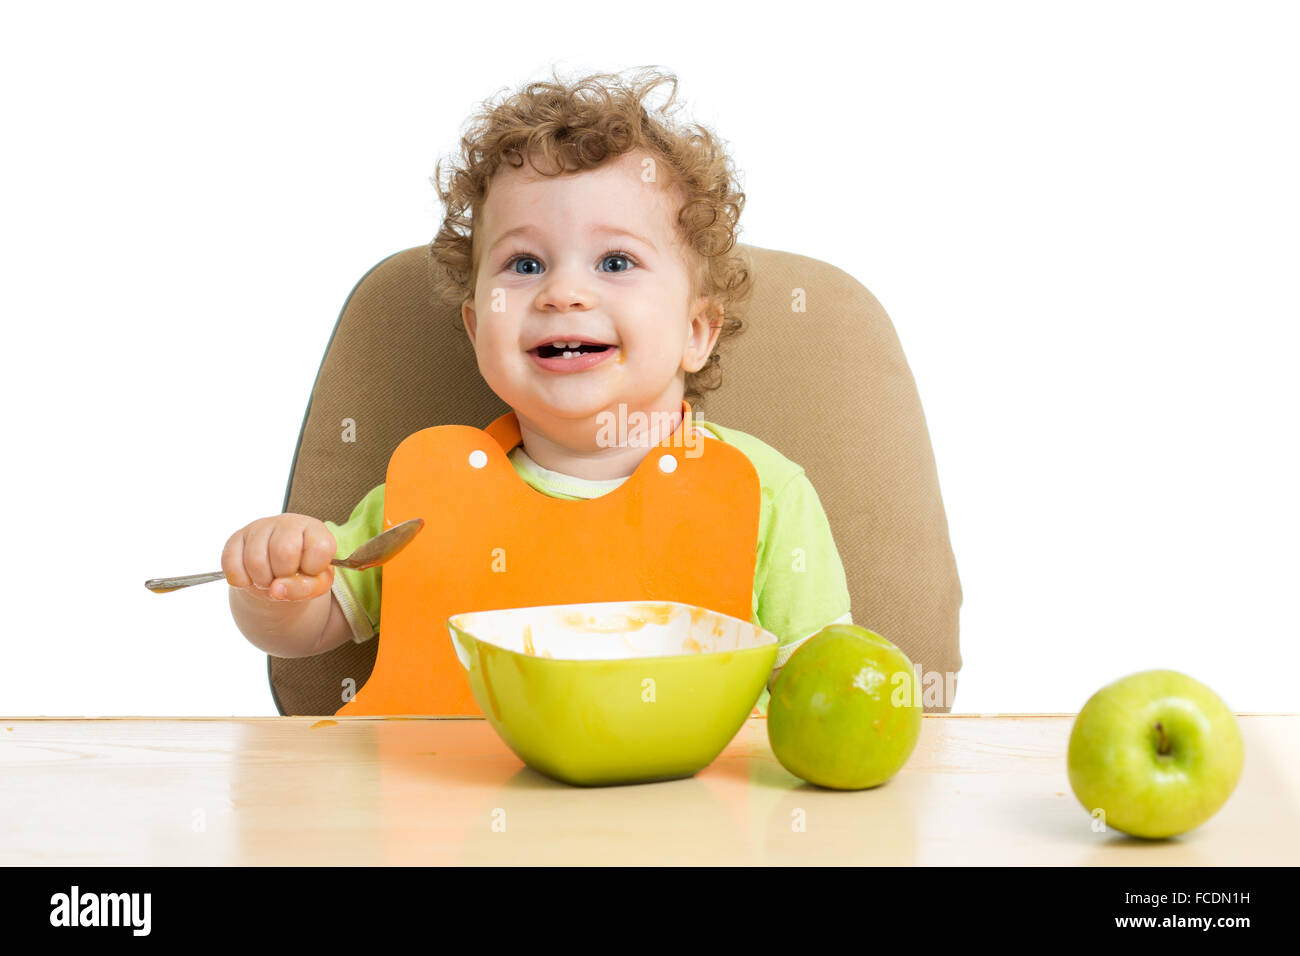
620,255
614,254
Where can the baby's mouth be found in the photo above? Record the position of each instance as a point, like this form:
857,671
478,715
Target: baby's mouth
551,351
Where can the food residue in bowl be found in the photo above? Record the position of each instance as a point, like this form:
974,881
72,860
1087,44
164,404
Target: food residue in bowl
565,630
637,618
658,613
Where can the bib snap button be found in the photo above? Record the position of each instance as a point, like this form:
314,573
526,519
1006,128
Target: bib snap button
667,464
478,458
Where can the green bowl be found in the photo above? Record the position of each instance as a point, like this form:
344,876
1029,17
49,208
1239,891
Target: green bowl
614,692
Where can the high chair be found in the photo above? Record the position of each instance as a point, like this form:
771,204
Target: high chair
828,387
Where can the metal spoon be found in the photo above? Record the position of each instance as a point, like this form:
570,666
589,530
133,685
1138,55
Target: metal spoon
376,551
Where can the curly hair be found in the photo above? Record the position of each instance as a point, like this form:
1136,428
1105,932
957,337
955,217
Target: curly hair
581,125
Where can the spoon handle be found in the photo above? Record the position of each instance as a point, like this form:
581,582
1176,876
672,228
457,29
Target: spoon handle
163,585
379,549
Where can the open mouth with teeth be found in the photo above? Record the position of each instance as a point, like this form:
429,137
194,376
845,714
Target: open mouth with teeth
567,349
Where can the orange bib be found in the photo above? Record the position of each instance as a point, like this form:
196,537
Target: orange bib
683,527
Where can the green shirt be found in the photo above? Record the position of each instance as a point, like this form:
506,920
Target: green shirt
799,583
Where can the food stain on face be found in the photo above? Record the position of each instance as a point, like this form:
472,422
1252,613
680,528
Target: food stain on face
324,723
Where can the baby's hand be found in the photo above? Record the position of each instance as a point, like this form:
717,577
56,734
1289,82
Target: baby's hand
286,556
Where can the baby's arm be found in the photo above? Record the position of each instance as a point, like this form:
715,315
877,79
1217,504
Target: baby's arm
802,585
280,574
293,552
283,628
337,630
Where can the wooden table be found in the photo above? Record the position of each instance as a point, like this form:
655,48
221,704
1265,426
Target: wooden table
375,791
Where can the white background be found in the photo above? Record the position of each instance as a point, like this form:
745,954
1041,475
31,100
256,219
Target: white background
1081,218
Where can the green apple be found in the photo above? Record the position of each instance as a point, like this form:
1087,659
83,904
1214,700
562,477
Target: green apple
845,711
1157,751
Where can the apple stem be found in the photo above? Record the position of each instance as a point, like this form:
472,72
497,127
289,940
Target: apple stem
1163,749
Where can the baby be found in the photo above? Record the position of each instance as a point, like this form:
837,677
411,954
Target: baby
591,246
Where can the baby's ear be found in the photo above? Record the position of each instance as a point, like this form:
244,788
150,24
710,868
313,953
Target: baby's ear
470,318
